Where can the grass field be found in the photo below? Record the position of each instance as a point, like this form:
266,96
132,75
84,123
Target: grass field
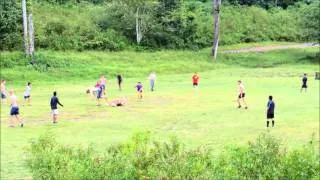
205,117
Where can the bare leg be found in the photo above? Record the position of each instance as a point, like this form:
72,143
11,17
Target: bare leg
20,120
11,121
245,103
54,118
239,105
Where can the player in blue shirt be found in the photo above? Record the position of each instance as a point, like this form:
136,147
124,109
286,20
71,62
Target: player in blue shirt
54,107
270,111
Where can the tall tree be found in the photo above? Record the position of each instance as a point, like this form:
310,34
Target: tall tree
140,7
216,15
31,35
25,27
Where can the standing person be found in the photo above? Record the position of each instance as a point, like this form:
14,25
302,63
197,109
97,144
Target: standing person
304,83
27,93
103,83
195,80
14,111
99,94
241,96
270,111
152,79
119,79
139,88
54,108
3,91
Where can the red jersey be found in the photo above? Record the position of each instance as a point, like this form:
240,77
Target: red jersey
195,78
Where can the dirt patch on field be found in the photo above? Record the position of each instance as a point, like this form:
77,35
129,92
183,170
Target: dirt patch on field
271,48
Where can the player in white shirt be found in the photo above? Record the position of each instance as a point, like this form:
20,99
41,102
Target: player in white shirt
152,79
27,93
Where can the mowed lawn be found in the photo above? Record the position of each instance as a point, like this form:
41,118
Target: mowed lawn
208,116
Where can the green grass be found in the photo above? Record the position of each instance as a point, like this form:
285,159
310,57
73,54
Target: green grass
207,117
88,65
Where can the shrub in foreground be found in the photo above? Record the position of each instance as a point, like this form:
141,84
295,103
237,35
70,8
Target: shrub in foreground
144,158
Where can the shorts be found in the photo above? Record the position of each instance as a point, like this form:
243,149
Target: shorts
103,86
26,97
3,96
241,95
139,91
304,86
270,116
14,111
195,84
54,112
99,94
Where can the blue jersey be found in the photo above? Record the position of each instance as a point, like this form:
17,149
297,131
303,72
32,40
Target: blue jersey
271,107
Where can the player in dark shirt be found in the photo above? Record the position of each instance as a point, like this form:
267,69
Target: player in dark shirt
304,83
54,108
119,79
270,111
139,88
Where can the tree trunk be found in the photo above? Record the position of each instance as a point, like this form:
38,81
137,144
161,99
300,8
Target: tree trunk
138,27
216,15
31,36
25,27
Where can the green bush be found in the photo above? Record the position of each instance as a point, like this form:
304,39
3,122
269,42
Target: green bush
145,158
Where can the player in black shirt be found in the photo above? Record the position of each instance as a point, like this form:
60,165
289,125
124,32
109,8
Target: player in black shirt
304,83
119,79
270,111
54,108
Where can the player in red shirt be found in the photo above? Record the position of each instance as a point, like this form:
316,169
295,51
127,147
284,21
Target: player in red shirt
195,80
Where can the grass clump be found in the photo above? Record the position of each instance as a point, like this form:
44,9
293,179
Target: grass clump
143,157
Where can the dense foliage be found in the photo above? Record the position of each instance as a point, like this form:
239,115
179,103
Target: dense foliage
146,158
112,25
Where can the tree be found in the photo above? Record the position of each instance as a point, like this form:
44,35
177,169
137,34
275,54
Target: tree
140,7
25,27
10,25
310,21
216,16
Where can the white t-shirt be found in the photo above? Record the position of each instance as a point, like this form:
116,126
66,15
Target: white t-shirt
27,91
152,76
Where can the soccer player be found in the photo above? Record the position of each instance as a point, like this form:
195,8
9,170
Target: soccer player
54,108
119,79
100,94
195,80
139,88
3,91
304,83
241,96
27,93
103,83
118,102
14,112
270,111
152,79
